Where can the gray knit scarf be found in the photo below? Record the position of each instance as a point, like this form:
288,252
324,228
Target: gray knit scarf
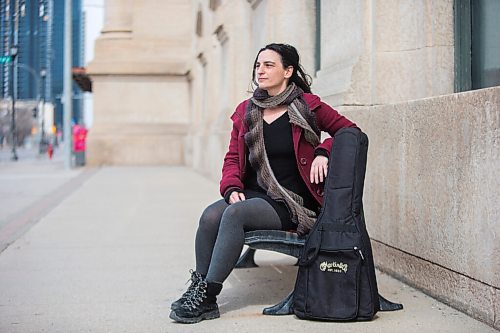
300,115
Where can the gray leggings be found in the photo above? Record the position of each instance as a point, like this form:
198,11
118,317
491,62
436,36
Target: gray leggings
220,236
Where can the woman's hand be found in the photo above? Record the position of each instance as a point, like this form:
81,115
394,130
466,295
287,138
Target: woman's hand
319,169
236,196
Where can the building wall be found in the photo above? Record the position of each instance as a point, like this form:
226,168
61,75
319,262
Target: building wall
378,52
431,194
222,66
431,188
430,184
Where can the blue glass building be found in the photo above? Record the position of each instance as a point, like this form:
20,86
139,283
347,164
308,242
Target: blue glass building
37,28
78,42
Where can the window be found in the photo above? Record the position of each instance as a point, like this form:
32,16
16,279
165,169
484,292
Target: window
485,46
317,42
477,44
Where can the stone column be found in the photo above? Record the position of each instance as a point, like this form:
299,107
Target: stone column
385,51
140,85
118,20
346,52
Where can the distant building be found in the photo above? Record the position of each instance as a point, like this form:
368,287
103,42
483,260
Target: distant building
30,31
78,41
37,28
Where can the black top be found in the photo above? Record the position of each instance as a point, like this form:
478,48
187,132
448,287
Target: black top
278,141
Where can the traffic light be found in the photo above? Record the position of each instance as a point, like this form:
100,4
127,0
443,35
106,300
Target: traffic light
5,59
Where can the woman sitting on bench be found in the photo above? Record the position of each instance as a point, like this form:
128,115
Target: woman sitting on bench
272,178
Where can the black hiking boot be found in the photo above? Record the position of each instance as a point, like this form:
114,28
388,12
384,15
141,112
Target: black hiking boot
201,304
196,278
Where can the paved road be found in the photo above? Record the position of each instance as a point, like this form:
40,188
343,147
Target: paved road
111,251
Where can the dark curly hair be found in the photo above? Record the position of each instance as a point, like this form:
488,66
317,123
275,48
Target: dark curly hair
289,57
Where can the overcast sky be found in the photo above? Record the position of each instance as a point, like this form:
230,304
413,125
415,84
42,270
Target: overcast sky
94,20
94,17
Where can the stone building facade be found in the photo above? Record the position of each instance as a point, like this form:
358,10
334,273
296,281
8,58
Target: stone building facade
168,74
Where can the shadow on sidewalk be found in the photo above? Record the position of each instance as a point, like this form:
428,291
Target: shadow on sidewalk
265,286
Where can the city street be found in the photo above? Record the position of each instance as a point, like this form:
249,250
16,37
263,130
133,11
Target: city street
108,249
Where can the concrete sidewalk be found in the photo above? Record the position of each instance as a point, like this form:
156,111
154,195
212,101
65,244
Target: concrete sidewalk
113,253
30,188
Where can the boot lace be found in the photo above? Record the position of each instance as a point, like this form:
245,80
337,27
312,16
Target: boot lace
195,279
196,297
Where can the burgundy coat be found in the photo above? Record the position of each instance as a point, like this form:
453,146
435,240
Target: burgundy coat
327,119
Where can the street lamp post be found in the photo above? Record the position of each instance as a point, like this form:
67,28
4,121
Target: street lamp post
13,54
43,140
68,106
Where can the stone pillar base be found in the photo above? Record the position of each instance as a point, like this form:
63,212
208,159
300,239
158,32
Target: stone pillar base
136,144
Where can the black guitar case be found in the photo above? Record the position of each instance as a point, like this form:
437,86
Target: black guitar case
336,276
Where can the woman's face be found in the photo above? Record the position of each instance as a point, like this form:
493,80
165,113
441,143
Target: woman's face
270,73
